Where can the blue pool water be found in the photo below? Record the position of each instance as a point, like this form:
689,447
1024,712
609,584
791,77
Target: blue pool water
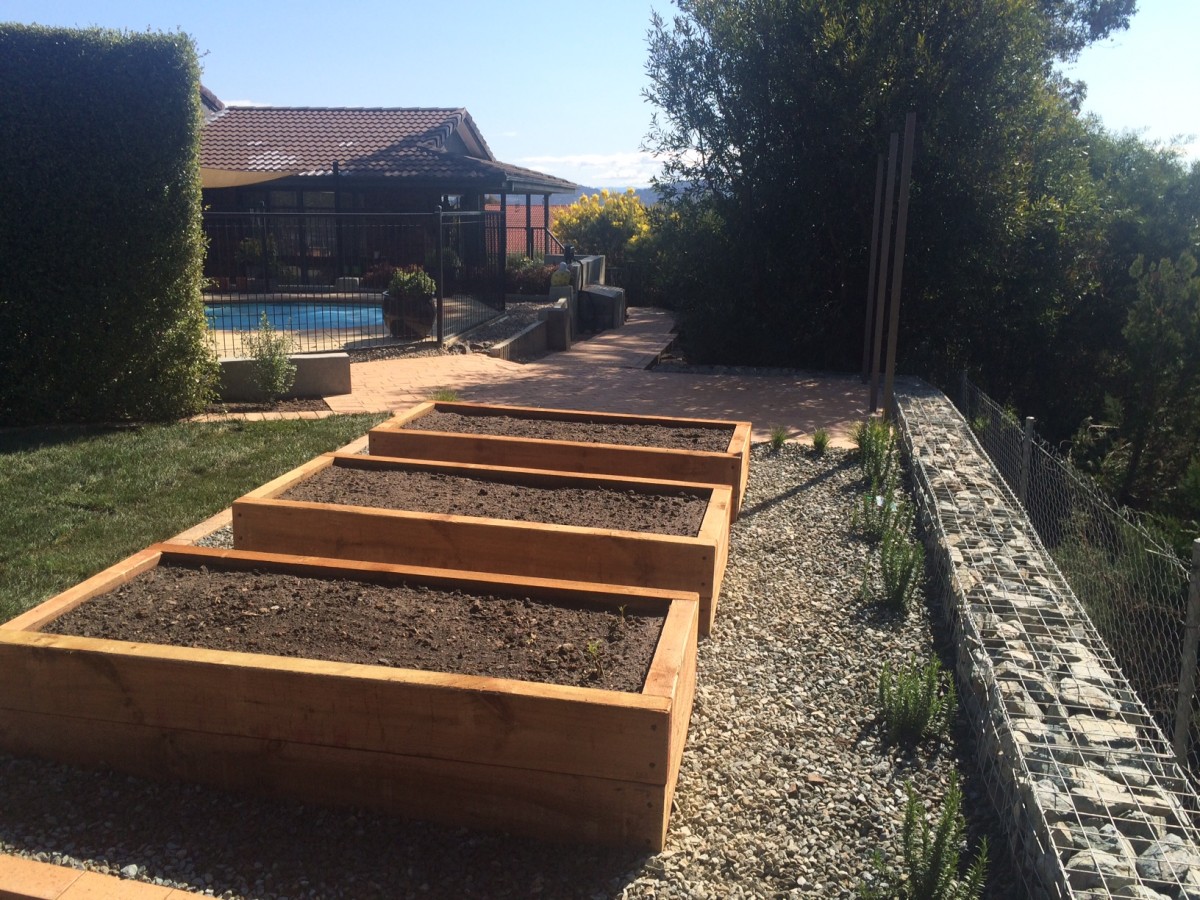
304,315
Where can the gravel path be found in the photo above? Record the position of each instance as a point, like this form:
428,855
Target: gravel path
785,789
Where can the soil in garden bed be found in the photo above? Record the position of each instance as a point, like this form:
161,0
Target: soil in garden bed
670,437
673,513
407,626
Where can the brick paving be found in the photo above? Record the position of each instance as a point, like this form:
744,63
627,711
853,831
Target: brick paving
608,373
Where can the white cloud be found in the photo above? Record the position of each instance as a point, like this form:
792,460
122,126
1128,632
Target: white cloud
621,170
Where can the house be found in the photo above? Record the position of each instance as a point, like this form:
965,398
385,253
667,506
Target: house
407,159
290,192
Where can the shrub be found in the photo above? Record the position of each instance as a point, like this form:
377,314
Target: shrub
379,276
274,372
101,317
876,445
524,275
879,510
901,564
932,857
606,223
916,703
411,282
820,441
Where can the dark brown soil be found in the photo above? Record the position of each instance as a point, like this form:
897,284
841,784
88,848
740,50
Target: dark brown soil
296,404
412,627
598,432
674,513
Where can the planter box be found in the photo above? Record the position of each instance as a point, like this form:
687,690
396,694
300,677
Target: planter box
264,522
730,467
544,760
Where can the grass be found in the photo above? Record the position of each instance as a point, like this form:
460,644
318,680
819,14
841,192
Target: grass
444,395
77,500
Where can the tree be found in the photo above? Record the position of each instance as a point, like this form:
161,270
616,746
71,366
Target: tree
771,113
1073,24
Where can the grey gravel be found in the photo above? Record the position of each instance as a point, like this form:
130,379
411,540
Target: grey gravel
785,788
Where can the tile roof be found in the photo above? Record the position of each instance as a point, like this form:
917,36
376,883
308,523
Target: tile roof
409,143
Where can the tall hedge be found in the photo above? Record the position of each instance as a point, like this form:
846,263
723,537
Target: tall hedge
101,245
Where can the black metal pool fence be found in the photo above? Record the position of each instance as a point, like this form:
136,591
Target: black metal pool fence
320,277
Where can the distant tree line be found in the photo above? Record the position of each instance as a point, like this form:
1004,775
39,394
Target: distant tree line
1051,259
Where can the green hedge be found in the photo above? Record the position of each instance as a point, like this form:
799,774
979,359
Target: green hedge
101,246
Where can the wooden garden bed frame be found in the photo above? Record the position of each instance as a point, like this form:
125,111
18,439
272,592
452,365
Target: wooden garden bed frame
730,467
562,763
263,521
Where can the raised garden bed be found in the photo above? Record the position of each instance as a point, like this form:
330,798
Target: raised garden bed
549,760
572,526
658,447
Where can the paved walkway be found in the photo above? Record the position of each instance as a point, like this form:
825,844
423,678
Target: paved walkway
608,373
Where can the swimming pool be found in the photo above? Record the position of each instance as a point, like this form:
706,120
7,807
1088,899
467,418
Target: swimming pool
301,315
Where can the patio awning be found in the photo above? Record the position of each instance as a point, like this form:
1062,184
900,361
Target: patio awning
224,178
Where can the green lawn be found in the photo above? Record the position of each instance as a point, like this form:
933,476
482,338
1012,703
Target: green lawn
74,500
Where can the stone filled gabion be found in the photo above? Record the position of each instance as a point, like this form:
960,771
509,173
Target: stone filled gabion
1092,799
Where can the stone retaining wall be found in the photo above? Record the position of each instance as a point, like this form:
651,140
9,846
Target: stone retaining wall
527,343
1086,785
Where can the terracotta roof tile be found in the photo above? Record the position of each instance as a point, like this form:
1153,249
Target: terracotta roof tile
409,143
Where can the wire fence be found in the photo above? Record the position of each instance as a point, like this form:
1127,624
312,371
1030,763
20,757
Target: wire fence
1133,586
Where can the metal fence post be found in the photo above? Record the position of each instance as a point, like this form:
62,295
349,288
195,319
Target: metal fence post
441,280
1026,458
1187,665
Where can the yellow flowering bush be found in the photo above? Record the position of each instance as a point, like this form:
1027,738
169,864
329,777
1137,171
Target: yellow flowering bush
606,223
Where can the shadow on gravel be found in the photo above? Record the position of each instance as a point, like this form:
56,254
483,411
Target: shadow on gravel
824,475
258,848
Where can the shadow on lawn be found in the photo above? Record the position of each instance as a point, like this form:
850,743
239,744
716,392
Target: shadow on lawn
36,437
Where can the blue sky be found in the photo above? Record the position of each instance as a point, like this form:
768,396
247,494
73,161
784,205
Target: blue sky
554,85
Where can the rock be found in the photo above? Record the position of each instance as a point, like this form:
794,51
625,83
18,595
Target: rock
1169,862
1097,869
1078,694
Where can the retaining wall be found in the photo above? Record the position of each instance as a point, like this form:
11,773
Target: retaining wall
1088,790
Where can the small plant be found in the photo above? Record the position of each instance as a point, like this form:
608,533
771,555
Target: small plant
879,510
876,445
820,441
916,703
526,275
274,372
866,590
778,437
444,395
901,563
413,283
932,857
979,425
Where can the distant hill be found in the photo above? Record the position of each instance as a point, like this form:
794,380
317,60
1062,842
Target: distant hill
647,195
